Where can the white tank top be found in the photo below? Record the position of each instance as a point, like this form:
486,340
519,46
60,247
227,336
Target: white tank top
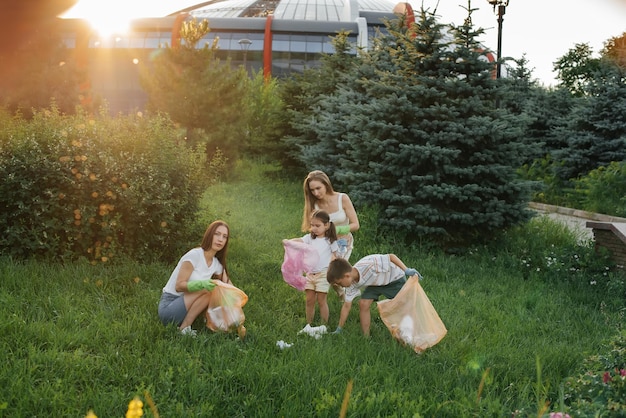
339,217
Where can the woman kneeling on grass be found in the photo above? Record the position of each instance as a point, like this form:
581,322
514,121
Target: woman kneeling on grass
187,293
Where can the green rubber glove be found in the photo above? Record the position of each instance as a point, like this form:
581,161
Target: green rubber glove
200,285
342,229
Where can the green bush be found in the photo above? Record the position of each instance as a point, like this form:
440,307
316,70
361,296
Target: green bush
553,253
603,190
98,187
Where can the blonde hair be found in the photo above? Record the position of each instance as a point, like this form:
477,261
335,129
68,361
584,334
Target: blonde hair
309,199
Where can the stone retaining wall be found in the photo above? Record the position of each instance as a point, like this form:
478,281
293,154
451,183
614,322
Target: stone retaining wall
612,236
608,231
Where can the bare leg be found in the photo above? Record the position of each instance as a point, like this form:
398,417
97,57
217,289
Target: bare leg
310,305
322,302
364,314
196,303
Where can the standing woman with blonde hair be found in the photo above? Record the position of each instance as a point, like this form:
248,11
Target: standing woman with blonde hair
320,195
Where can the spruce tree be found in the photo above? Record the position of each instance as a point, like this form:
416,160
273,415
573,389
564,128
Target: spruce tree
415,131
596,131
301,94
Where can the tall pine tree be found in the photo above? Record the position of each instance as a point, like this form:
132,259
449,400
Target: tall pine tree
414,130
596,130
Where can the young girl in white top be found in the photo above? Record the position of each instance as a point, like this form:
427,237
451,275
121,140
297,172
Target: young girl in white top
323,238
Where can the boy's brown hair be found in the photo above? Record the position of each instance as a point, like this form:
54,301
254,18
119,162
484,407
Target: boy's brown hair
337,269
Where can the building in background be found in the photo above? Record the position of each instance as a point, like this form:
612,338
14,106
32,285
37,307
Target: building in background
278,36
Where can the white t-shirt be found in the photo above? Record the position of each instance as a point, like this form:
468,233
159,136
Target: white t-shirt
201,271
374,270
324,248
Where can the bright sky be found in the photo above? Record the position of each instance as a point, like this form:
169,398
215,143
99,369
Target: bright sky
544,30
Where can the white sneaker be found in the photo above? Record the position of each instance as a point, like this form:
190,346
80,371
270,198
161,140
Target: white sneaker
188,331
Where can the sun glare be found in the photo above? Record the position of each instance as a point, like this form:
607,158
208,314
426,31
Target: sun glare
107,18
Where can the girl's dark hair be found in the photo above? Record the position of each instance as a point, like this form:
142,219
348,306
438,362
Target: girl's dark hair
322,215
207,241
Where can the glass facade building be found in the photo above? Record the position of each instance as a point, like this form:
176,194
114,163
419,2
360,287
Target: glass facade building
279,36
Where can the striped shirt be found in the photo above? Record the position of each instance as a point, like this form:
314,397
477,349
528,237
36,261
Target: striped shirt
374,270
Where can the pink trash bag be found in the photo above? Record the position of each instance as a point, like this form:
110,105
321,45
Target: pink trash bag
225,310
411,318
300,259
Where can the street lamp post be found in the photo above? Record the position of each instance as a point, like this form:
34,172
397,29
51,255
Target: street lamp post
501,9
245,45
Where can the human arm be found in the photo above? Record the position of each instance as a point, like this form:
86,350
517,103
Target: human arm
407,271
224,277
396,260
343,316
198,285
353,219
184,285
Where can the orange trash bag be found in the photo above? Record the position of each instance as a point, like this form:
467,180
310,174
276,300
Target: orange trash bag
225,310
411,318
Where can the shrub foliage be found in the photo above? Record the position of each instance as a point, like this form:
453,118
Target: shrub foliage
199,91
97,187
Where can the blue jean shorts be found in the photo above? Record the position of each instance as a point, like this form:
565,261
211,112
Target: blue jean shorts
172,309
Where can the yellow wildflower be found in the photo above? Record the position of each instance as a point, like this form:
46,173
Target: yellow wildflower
135,408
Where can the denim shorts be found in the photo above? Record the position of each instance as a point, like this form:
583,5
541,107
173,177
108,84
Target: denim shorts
172,309
389,290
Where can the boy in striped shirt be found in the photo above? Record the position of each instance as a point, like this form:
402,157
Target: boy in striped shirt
374,276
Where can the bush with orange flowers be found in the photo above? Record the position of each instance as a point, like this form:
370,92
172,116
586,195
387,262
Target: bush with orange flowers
99,186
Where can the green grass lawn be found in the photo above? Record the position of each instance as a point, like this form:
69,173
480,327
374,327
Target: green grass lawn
78,337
